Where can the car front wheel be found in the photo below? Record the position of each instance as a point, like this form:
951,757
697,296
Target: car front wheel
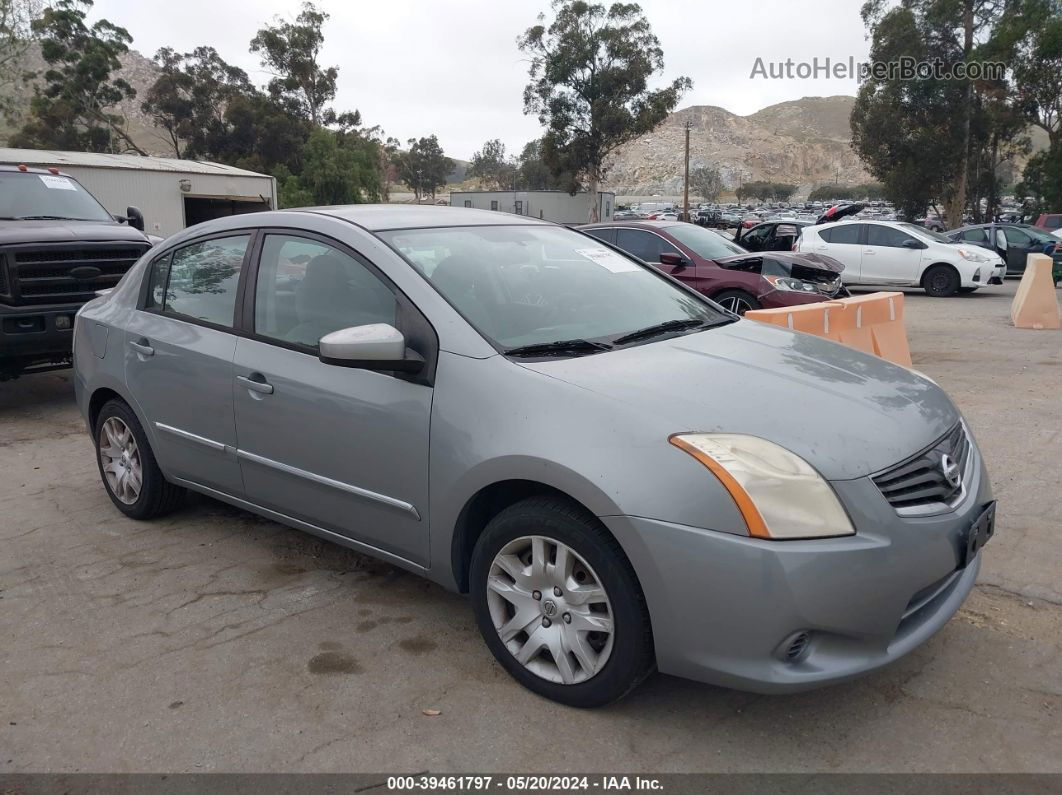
941,281
737,301
559,605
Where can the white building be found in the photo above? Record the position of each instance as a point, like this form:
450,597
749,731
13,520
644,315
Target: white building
551,205
171,193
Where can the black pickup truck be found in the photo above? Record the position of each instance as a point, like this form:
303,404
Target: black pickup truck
58,246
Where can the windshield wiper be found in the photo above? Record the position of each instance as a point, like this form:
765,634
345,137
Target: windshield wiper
658,329
559,348
48,218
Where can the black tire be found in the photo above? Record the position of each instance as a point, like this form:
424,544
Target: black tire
157,495
631,658
941,281
736,301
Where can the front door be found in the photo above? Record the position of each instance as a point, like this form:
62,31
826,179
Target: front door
340,448
179,352
648,246
887,258
1019,246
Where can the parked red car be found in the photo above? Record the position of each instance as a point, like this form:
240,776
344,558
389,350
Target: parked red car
1049,221
737,279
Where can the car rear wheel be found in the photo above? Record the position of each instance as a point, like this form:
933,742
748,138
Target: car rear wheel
941,281
558,604
737,301
127,466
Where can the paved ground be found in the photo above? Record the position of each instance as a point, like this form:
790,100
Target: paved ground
215,641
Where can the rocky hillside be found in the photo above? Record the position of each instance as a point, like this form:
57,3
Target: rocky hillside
803,142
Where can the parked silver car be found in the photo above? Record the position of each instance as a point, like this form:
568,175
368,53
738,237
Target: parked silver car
618,471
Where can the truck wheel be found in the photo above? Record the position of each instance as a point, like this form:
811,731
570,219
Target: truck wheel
127,466
558,604
941,281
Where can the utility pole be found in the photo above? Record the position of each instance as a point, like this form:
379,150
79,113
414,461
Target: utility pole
686,181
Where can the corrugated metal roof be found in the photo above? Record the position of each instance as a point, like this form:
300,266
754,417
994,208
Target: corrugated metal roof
46,157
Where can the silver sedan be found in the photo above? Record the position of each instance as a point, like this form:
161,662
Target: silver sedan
621,474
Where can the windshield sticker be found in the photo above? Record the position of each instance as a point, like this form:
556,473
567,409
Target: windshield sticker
56,183
608,259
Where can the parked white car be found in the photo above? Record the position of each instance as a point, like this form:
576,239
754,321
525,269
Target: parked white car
902,255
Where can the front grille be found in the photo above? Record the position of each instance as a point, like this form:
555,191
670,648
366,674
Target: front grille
41,275
920,482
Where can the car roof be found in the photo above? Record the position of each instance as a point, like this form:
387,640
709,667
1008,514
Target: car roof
378,217
636,224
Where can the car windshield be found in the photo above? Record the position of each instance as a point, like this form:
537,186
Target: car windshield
27,196
538,285
703,242
929,233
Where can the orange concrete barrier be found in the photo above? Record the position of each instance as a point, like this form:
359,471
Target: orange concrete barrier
871,323
1035,305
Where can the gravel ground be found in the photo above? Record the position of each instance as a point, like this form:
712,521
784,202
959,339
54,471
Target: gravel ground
217,641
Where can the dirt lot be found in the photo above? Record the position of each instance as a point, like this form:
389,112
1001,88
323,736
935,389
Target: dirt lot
216,641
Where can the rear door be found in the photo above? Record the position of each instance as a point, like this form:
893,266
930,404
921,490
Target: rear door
178,360
886,260
843,243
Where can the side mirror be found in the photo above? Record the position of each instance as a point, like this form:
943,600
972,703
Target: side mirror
912,243
673,259
134,218
377,346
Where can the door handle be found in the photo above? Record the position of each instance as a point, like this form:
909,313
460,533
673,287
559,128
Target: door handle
142,347
868,251
261,387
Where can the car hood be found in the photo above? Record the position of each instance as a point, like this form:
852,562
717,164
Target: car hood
847,413
67,231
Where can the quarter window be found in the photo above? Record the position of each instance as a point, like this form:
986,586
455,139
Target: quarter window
307,289
160,272
203,279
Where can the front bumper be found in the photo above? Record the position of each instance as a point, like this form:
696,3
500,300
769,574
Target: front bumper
723,607
30,334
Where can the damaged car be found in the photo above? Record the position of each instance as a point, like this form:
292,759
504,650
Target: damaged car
723,270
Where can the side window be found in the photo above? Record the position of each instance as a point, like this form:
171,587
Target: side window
307,289
758,235
203,279
644,245
885,236
1016,237
608,235
844,233
974,235
157,277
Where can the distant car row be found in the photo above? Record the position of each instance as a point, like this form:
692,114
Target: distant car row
789,262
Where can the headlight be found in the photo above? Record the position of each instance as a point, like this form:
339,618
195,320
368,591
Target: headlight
973,256
778,493
786,283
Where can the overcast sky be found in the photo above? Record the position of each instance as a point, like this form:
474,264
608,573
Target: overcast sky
451,67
